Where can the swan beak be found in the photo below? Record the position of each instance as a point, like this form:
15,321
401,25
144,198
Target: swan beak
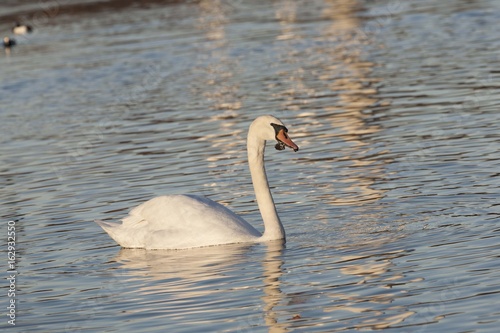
284,139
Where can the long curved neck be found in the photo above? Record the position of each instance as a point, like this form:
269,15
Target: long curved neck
273,227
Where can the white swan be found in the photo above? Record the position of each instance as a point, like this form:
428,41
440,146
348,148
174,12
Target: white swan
187,221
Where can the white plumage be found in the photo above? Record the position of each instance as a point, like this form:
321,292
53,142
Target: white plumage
173,221
187,221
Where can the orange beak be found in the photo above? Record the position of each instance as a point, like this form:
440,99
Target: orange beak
283,137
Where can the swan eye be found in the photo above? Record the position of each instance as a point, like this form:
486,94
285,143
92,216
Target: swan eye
279,128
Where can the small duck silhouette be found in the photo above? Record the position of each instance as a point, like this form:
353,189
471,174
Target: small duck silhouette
8,42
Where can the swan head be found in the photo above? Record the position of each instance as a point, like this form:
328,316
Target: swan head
271,128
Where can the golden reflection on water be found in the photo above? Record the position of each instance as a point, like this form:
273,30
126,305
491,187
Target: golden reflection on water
356,93
217,87
347,77
286,13
217,66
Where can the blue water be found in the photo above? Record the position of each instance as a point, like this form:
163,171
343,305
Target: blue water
390,206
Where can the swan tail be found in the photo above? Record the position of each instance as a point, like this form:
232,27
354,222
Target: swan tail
107,225
119,233
111,228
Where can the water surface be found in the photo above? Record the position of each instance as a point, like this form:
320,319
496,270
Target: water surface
390,206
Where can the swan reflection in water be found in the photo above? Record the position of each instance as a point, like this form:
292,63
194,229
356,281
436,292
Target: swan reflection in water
196,282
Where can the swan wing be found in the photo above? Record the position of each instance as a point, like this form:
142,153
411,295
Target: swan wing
180,221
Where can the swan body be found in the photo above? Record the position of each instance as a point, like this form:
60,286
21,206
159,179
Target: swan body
173,221
188,221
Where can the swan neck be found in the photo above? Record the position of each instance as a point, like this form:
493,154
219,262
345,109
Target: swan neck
272,224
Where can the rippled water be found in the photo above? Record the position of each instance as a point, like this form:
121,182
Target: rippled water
391,205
